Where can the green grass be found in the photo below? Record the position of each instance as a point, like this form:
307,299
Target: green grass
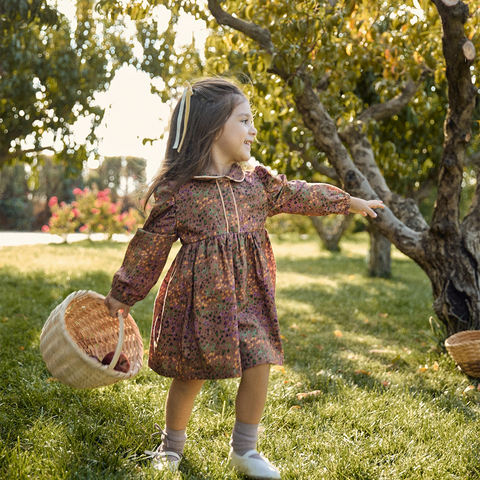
378,414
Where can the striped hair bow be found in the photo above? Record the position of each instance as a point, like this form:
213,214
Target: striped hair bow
184,107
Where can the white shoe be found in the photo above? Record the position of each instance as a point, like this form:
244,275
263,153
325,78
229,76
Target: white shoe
252,467
165,460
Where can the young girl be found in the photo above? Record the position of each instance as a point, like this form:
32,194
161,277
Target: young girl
215,313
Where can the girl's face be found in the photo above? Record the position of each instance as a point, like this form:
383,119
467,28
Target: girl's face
234,142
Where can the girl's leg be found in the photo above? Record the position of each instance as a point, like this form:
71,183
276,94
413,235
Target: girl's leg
180,400
250,402
252,394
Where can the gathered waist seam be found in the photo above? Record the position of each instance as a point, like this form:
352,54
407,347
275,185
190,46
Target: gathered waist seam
229,234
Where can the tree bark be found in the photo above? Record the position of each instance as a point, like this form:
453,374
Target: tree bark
330,236
380,259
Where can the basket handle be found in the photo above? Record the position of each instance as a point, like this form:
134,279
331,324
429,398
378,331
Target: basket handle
121,339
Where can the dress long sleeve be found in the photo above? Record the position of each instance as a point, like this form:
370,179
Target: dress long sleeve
146,255
300,197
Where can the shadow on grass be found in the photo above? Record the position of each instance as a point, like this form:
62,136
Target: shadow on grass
31,401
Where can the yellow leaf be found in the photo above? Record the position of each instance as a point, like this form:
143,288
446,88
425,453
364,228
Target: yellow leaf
388,55
470,387
279,368
423,369
366,320
295,407
283,337
417,57
436,366
386,384
383,315
294,326
351,277
362,372
338,333
369,36
309,394
349,49
405,27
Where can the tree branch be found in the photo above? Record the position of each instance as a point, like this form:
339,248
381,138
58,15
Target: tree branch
457,127
326,139
382,111
252,30
319,167
362,152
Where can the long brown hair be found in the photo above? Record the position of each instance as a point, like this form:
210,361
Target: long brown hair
211,105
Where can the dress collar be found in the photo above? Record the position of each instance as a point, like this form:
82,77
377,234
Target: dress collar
236,174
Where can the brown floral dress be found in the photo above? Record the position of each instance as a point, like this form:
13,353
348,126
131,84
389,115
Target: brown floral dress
215,312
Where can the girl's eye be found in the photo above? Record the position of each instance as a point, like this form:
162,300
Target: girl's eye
245,121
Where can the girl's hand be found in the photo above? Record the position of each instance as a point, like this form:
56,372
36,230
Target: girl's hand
114,306
365,207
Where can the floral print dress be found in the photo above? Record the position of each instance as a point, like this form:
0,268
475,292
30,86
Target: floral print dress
215,312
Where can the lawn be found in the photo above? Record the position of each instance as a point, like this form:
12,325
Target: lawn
366,391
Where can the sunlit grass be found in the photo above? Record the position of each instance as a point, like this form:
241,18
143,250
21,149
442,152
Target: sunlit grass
387,402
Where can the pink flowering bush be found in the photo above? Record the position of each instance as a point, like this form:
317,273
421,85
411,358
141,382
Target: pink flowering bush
92,212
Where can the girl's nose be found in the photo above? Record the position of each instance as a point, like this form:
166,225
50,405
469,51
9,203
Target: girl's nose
253,130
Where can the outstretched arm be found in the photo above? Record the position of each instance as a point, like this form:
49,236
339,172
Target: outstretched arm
365,207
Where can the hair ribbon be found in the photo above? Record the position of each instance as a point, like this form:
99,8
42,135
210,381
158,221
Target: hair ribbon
184,106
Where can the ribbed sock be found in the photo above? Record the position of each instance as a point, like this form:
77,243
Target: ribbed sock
173,440
244,438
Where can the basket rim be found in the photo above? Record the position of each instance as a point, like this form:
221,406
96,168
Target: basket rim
62,307
462,338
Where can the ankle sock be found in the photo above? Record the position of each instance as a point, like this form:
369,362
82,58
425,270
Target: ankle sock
173,441
244,438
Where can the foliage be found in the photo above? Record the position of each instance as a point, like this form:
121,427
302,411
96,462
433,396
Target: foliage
356,53
15,208
49,73
388,404
124,176
92,212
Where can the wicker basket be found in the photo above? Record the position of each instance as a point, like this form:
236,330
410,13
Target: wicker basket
464,348
81,326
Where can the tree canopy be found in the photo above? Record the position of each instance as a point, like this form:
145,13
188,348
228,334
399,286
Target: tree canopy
50,70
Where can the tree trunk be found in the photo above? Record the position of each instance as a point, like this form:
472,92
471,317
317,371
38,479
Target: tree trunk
330,236
380,259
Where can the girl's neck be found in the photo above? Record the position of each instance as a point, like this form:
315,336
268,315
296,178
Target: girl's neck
219,168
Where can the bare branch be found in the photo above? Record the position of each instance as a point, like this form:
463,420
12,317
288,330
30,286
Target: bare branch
252,30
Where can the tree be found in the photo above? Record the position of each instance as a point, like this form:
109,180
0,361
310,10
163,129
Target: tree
354,55
308,58
48,76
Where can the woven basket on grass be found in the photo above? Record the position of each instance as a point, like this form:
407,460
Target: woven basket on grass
81,327
464,348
